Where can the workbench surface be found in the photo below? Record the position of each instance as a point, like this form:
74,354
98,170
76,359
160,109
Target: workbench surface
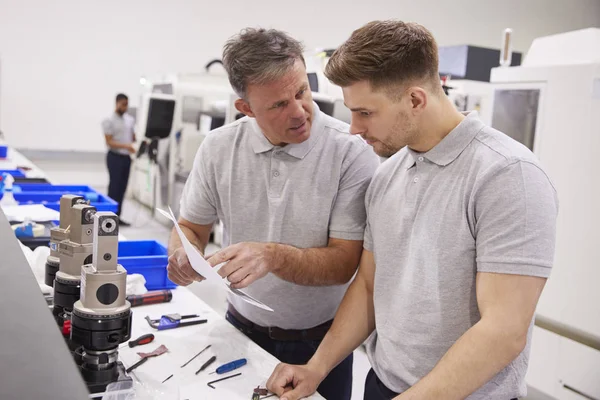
227,344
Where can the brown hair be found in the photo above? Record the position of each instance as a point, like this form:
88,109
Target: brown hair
384,53
259,56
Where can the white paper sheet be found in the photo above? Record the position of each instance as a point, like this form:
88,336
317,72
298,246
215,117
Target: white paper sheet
201,266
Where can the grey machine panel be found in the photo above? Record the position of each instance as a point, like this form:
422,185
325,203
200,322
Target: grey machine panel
35,362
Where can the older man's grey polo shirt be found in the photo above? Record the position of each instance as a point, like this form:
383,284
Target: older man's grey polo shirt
477,202
299,194
120,127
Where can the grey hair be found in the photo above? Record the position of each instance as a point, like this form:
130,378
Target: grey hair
259,56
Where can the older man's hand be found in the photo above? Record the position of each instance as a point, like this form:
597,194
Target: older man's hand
246,262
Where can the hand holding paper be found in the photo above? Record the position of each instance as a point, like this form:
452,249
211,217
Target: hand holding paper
202,267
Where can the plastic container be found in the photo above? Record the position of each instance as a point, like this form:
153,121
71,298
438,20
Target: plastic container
82,190
3,151
148,258
16,173
49,195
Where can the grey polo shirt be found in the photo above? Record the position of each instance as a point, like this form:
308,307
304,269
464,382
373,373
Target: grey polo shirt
120,127
299,194
477,202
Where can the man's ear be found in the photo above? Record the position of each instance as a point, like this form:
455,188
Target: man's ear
242,106
418,99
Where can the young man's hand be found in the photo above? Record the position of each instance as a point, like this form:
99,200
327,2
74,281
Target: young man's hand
292,382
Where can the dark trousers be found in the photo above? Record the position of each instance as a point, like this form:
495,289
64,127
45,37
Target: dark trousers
337,385
376,390
118,172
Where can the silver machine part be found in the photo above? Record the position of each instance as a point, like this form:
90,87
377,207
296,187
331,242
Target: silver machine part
60,233
103,282
77,249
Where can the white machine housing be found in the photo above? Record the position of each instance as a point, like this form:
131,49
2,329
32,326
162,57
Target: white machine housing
552,104
198,99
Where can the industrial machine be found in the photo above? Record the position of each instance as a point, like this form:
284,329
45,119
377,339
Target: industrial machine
198,104
329,97
90,303
465,73
551,104
101,319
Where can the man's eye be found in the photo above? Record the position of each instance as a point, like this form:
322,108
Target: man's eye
301,93
365,113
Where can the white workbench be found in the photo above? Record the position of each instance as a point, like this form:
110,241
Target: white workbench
15,159
227,344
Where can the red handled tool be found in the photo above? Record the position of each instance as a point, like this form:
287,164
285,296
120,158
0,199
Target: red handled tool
155,297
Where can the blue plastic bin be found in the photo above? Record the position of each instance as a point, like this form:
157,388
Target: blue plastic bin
148,258
16,173
3,151
49,195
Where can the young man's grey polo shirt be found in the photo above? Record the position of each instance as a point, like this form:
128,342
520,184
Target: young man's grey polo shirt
299,194
477,202
120,127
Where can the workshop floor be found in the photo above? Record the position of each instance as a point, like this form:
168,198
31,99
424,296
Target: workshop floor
143,226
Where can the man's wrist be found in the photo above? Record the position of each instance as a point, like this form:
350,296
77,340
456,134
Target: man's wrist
276,256
319,366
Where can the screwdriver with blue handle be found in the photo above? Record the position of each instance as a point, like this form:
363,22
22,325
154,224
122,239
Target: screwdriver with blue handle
230,366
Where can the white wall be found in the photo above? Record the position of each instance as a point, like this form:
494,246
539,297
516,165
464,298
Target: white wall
62,62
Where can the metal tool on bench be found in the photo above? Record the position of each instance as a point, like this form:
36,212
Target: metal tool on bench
210,384
207,364
172,321
73,253
60,233
101,319
192,359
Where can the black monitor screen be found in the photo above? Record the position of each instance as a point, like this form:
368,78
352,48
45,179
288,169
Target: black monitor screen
160,118
313,82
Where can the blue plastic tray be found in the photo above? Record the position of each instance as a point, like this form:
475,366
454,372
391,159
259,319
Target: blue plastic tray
83,190
16,173
149,258
49,195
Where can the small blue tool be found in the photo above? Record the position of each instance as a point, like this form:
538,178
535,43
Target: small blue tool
230,366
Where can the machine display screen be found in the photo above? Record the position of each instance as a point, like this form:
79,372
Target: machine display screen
515,113
313,82
160,118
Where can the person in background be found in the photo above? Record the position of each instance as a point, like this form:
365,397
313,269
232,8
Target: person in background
459,242
288,182
120,137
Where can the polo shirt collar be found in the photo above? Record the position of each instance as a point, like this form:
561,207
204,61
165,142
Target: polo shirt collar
448,150
261,144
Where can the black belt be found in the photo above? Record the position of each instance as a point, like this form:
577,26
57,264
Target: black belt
316,333
118,154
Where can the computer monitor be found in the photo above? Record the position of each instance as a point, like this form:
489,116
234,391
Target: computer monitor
160,118
313,82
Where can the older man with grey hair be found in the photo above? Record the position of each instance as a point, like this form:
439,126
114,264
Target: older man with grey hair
288,182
